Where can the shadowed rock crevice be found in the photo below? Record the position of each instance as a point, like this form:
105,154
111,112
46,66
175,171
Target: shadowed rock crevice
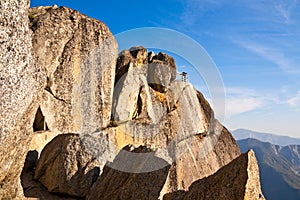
139,106
49,90
39,123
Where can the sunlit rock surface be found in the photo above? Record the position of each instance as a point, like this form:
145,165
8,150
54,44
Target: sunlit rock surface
79,54
99,125
21,81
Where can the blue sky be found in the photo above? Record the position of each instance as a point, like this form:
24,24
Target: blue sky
254,43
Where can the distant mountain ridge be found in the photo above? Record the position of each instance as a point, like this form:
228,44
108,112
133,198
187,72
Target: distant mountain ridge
241,134
279,168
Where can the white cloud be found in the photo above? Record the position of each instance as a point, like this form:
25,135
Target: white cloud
238,105
294,101
241,100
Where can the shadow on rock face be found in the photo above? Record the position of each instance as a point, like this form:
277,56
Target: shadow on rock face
30,161
33,188
115,184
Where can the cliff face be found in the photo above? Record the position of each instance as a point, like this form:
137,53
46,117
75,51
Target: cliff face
177,114
21,81
78,54
132,123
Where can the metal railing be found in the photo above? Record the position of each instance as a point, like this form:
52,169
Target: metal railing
183,76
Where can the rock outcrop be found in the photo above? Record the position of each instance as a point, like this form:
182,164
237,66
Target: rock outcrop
120,127
176,124
238,180
21,81
32,188
79,55
172,120
160,69
66,167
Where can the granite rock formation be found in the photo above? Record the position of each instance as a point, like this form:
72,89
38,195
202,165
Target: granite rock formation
176,124
66,167
279,168
21,81
33,189
172,120
242,184
161,68
116,123
78,54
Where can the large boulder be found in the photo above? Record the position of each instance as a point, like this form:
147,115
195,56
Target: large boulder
21,82
79,54
33,189
160,68
138,56
238,180
66,166
161,71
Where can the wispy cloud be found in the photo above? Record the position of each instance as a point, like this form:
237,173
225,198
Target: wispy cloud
239,105
285,9
295,100
279,11
241,100
274,55
194,9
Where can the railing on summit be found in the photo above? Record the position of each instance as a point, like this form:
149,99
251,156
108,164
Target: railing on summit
183,76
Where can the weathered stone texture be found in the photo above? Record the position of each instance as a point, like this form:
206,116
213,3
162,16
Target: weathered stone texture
79,54
170,121
139,132
66,167
239,180
20,82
